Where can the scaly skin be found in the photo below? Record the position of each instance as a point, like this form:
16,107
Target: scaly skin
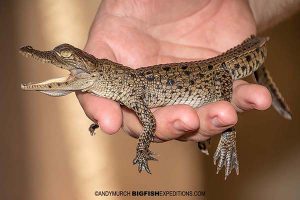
193,83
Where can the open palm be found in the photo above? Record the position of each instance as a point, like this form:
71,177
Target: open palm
148,32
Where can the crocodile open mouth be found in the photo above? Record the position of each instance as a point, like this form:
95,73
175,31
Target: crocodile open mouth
44,85
55,86
44,57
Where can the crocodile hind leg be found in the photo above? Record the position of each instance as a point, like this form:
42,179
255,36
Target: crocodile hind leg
143,154
226,153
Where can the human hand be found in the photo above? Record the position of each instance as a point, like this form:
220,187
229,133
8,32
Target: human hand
143,33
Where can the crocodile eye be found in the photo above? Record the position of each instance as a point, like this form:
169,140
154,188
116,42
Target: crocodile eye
65,54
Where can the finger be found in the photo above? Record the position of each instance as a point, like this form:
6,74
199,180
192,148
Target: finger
171,122
185,123
214,118
131,123
106,113
99,48
248,96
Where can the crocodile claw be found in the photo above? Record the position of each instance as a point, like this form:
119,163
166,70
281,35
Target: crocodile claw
226,153
142,158
203,146
92,128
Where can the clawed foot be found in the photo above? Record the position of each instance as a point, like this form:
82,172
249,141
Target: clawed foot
203,146
142,158
92,128
227,154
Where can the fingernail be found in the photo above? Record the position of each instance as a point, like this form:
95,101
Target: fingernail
219,124
181,126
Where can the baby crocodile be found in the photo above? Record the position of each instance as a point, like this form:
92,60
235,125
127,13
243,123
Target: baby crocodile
193,83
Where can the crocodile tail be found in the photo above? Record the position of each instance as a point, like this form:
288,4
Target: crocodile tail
262,77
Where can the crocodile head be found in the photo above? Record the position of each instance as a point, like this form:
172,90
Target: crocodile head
82,67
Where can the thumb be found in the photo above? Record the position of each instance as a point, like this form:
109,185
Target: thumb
105,112
99,48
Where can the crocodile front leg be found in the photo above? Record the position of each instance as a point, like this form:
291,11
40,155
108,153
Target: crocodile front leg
93,128
143,154
203,146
